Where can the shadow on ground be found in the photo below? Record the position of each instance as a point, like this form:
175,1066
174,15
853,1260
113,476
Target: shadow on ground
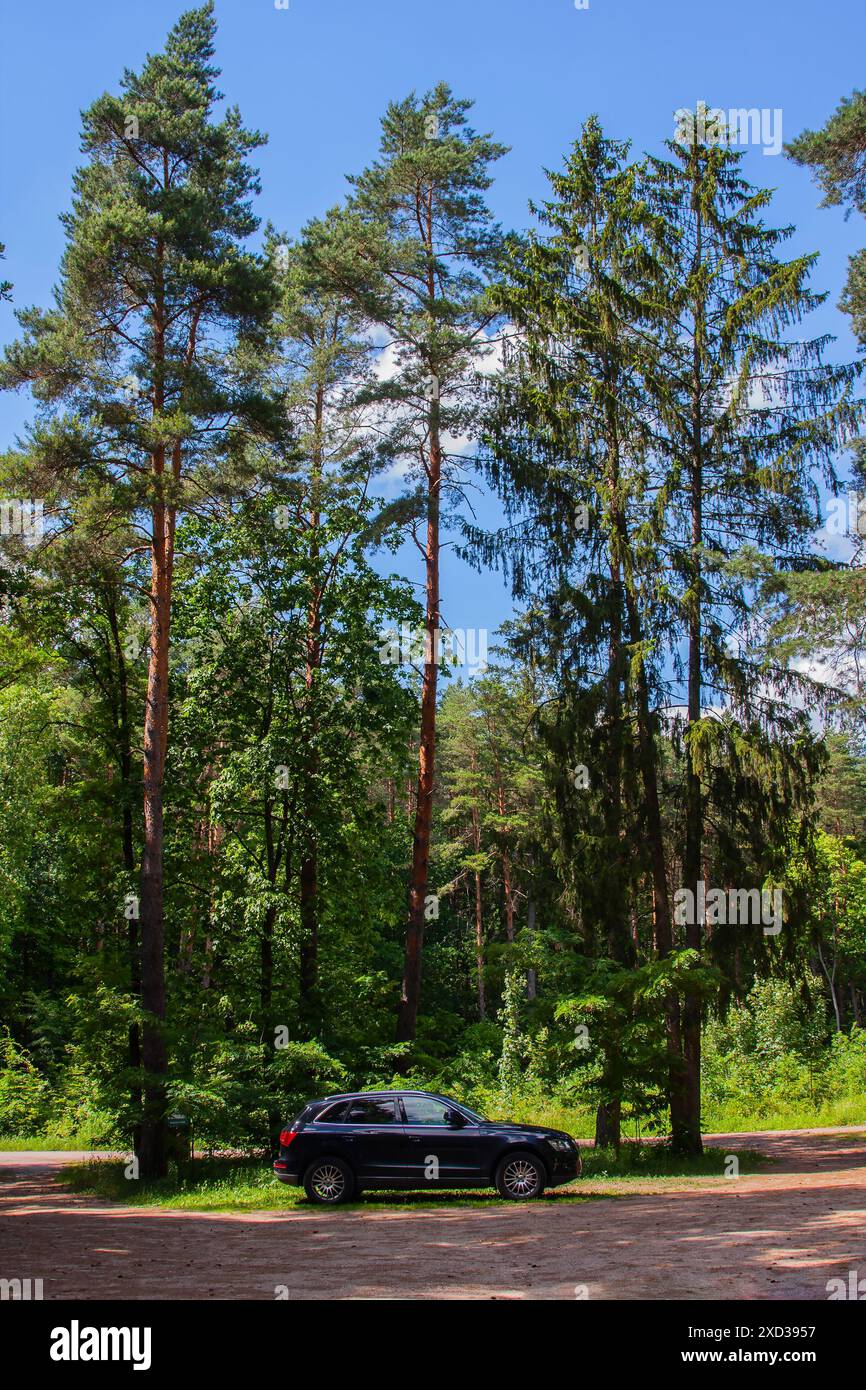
774,1236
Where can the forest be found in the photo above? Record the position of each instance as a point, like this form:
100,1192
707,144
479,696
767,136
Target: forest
270,827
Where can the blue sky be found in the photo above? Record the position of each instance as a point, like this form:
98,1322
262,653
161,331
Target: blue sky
316,78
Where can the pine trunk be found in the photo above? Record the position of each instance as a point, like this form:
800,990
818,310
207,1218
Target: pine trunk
309,962
407,1016
266,997
152,1151
309,876
479,925
128,851
479,947
531,975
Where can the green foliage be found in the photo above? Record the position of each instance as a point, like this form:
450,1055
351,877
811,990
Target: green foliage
24,1094
235,1083
775,1050
656,431
512,1054
837,157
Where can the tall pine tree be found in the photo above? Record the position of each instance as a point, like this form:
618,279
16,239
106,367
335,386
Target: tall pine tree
418,249
148,365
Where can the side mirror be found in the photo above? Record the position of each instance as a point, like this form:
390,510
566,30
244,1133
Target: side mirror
455,1119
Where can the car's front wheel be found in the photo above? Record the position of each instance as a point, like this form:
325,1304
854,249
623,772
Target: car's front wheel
329,1181
520,1177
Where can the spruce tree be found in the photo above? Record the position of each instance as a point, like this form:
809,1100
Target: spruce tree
569,441
748,416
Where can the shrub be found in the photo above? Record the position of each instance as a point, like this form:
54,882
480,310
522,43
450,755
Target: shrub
24,1095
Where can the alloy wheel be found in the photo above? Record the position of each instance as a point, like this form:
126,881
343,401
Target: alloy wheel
521,1178
328,1183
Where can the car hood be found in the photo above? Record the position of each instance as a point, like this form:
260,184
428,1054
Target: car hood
544,1130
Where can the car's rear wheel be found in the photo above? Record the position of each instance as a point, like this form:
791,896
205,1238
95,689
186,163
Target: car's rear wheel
520,1177
329,1181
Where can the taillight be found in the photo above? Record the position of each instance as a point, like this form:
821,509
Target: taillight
286,1137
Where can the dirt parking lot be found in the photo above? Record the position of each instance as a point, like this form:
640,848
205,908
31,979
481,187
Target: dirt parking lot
780,1234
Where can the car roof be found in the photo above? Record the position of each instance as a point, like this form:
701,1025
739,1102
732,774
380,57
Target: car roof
371,1095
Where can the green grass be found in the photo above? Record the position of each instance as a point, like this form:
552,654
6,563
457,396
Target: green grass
640,1161
43,1143
205,1184
774,1114
233,1184
718,1118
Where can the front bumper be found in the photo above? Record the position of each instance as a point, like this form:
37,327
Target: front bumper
565,1168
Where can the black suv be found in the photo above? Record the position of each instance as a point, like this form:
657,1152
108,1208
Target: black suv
413,1139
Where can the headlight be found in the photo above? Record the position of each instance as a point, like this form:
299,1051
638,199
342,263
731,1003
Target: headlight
563,1146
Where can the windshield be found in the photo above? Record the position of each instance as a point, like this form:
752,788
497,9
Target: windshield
473,1115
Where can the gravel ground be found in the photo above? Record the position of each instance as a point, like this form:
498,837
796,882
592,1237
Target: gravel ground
775,1235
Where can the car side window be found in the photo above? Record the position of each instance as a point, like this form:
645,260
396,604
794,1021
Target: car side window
422,1110
371,1112
333,1115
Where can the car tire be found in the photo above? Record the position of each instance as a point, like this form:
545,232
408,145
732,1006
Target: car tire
329,1181
520,1177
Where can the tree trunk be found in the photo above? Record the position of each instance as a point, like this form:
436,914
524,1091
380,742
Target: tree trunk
309,963
479,926
152,1152
687,1138
266,997
831,981
613,907
479,947
531,977
608,1118
662,918
506,875
309,876
407,1015
124,751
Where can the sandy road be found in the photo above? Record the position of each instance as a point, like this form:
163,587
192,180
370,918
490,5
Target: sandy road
780,1234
